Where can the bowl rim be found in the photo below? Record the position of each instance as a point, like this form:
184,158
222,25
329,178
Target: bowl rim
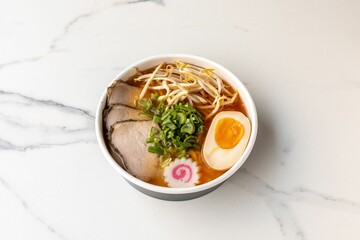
166,190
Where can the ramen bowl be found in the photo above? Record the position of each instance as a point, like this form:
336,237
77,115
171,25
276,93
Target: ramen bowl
179,194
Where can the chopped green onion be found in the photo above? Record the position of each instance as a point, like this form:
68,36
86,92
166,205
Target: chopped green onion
188,128
153,131
179,126
181,117
157,119
165,162
156,149
145,103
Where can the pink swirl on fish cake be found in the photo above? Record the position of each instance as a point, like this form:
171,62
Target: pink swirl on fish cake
181,173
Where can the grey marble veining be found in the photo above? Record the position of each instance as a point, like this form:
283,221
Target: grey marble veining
299,60
26,208
55,134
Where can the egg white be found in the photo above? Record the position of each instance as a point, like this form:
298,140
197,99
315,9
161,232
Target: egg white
217,157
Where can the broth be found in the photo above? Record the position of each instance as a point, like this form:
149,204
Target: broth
206,173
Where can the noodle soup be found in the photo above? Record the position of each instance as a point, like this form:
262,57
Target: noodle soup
175,125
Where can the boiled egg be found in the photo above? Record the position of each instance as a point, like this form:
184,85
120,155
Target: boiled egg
226,139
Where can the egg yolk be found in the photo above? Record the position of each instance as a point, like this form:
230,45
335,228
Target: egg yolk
228,133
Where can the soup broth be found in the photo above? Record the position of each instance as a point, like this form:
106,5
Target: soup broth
206,174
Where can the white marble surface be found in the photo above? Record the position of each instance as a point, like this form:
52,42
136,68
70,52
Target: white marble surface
299,59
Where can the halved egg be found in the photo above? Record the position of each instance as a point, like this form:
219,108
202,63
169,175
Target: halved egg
226,139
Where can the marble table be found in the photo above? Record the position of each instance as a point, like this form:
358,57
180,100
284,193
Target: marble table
299,59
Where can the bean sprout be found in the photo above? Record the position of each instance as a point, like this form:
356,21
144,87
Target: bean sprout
179,81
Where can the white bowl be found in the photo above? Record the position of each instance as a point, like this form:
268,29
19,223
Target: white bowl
175,194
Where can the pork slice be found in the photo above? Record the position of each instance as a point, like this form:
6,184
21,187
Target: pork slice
129,140
120,113
117,157
122,93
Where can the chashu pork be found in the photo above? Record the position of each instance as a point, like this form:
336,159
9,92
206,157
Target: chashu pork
122,93
128,139
116,156
120,113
